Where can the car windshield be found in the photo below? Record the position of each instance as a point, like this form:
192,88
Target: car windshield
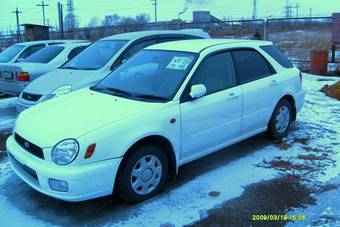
150,75
9,53
44,55
96,55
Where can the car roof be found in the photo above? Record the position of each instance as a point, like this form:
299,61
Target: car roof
141,34
198,45
51,41
72,44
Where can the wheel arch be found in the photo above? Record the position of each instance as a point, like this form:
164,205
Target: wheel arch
291,100
157,140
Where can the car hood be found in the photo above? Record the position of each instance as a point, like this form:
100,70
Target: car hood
52,80
74,115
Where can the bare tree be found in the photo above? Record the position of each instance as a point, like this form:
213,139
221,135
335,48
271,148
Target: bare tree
94,22
142,18
110,20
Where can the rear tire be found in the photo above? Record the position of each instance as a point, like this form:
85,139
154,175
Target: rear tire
143,175
280,120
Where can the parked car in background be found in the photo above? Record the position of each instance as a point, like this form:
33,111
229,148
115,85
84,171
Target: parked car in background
15,76
21,51
94,63
169,104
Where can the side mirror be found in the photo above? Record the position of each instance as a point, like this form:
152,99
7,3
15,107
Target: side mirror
197,91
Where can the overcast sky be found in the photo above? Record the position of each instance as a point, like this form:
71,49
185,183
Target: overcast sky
167,9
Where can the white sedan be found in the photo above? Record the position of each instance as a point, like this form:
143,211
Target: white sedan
166,106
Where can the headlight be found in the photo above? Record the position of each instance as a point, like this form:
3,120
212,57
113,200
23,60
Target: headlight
59,92
64,152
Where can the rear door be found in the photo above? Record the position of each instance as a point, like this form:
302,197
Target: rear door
260,86
215,118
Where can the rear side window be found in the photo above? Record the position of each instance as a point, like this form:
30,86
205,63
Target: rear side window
250,66
31,50
216,73
45,55
275,53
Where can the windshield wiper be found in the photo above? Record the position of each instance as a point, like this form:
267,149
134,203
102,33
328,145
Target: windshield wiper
145,96
113,91
70,67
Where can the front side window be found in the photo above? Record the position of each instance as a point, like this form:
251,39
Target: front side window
216,73
149,75
9,53
96,55
31,50
250,65
44,55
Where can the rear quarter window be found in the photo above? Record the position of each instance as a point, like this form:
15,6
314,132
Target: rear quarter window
278,56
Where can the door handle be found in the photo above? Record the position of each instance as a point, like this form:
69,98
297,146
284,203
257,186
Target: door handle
232,96
273,83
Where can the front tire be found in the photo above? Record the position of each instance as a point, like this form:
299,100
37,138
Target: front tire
143,175
280,120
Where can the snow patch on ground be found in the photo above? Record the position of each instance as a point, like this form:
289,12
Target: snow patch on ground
190,202
313,142
7,113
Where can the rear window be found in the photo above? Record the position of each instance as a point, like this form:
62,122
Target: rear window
9,53
44,55
275,53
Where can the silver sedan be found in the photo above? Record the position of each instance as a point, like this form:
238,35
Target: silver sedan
16,76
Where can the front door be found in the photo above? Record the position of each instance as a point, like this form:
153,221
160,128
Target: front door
216,117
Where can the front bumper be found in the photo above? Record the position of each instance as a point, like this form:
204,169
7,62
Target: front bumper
11,87
85,181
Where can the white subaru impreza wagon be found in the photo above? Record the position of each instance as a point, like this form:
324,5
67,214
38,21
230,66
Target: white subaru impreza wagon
166,106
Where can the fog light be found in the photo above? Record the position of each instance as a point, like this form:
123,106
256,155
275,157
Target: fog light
58,185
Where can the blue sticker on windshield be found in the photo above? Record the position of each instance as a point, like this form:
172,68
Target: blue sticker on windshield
179,63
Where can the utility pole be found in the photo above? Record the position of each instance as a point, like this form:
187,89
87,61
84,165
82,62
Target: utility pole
17,12
61,19
310,12
288,9
43,5
254,10
154,3
297,6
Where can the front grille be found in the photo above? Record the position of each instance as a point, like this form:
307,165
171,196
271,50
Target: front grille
28,146
31,97
27,169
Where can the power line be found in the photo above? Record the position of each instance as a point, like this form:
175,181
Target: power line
43,5
17,12
154,3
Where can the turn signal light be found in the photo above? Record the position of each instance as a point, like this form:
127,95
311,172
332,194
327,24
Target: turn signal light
90,150
22,76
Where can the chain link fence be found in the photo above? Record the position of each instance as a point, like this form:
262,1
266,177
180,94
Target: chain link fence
295,37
